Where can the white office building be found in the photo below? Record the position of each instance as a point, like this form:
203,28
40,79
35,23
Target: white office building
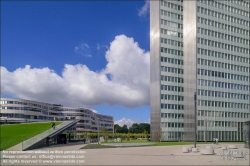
199,47
21,111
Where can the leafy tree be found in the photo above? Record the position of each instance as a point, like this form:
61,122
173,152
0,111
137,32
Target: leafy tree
139,128
88,135
128,136
105,134
134,129
124,129
72,134
122,136
117,128
84,134
145,133
137,135
111,135
144,126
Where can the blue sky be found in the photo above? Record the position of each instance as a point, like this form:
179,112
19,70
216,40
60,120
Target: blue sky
76,52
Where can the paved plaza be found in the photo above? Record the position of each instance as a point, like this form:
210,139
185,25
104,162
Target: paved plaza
157,155
148,155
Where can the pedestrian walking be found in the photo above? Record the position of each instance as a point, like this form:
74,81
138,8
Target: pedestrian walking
216,141
53,125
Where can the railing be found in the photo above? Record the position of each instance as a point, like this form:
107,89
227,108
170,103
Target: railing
33,140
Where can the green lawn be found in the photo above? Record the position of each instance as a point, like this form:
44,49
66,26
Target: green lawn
176,143
125,141
15,133
171,143
155,143
191,143
96,146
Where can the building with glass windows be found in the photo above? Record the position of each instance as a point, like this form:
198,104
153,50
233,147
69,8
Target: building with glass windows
199,47
19,111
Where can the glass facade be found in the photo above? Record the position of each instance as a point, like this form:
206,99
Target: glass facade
204,49
222,69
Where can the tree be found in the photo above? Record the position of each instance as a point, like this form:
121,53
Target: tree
84,134
118,129
144,126
145,133
137,135
124,129
88,135
105,134
135,128
111,135
118,135
122,136
128,136
139,128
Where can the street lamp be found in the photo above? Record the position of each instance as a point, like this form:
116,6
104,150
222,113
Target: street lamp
195,126
206,132
98,129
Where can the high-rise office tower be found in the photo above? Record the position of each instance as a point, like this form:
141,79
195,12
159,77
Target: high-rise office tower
199,47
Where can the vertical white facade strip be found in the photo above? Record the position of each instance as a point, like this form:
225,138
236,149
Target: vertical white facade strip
155,109
169,47
189,38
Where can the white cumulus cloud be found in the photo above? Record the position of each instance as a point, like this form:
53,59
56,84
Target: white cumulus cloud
128,122
128,84
94,111
144,10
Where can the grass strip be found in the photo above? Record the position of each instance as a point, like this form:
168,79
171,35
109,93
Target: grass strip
13,134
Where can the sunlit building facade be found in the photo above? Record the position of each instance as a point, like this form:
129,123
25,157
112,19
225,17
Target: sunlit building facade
199,47
20,111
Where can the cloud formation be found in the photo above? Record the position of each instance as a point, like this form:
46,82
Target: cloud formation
83,49
128,122
94,111
128,84
144,10
100,46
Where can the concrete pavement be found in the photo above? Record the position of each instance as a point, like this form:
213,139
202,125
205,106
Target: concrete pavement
158,155
148,155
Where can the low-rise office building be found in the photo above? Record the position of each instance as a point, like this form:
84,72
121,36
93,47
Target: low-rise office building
19,111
